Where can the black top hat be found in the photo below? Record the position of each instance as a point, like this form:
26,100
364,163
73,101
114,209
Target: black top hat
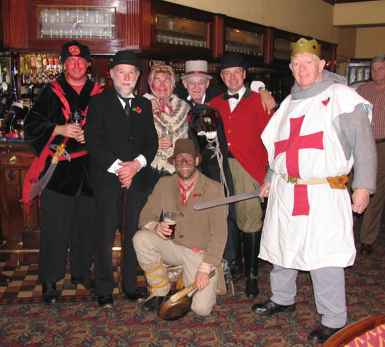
125,57
233,60
74,49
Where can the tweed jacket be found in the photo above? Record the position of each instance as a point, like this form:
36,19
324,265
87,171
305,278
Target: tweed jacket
205,230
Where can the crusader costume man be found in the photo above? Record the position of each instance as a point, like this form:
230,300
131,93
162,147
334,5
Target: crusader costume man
244,118
200,236
321,130
122,142
67,206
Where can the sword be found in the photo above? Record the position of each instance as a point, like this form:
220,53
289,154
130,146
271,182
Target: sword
38,187
225,201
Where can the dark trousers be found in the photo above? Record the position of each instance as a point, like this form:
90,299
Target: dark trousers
232,250
66,221
116,209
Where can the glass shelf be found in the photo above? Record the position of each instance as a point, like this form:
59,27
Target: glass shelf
282,49
179,31
244,42
77,22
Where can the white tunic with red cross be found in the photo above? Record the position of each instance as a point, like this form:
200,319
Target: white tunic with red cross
309,226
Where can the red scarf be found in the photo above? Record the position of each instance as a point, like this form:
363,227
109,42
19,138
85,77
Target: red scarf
185,190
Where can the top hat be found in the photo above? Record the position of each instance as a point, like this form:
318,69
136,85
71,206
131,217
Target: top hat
125,57
74,49
196,68
233,60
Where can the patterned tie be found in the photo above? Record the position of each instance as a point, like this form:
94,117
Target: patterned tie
228,96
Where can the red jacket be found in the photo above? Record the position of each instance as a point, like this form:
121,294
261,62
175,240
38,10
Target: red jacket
243,129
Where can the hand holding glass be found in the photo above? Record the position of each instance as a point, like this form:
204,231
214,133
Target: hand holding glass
170,219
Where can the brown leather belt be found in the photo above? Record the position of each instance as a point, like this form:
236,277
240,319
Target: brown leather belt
380,141
336,182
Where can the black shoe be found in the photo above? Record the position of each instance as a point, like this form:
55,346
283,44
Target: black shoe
87,283
321,334
105,301
153,304
50,294
270,308
236,269
252,290
366,249
139,293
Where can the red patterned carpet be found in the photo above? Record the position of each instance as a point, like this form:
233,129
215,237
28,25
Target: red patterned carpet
77,321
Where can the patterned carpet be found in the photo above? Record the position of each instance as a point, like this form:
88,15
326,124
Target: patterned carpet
77,321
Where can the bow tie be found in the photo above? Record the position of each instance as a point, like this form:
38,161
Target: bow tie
228,96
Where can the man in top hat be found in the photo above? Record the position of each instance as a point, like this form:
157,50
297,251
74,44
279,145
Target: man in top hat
320,132
374,91
122,142
67,204
199,238
244,118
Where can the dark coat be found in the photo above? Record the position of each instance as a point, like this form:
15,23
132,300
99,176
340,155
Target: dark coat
70,177
209,163
111,135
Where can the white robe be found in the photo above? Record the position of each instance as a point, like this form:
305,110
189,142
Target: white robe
324,237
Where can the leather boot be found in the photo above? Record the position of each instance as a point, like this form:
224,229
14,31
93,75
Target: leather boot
251,242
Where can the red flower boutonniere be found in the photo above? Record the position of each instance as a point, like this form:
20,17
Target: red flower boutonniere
326,101
137,109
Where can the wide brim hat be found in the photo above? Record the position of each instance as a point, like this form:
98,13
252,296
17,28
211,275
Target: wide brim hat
196,68
184,146
74,49
126,57
233,60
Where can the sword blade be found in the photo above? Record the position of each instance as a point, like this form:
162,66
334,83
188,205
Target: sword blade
38,187
225,201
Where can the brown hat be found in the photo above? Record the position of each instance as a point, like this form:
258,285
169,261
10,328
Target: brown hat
183,146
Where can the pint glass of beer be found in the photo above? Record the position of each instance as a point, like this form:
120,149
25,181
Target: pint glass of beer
170,219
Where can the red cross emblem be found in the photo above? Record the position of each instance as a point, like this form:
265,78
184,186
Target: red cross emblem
291,147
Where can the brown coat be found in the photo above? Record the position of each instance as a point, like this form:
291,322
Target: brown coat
205,229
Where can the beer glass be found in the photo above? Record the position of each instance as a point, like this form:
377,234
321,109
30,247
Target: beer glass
169,218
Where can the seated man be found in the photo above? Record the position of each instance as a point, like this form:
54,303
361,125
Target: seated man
200,236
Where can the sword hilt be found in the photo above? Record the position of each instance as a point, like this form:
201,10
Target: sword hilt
60,150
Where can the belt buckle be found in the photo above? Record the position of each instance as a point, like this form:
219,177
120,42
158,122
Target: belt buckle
292,179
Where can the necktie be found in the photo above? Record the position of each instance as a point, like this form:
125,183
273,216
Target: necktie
127,107
228,96
127,102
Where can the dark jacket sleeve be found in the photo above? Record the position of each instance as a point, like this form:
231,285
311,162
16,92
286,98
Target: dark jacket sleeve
152,141
95,136
42,119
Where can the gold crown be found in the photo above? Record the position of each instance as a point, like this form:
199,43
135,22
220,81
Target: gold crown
305,46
